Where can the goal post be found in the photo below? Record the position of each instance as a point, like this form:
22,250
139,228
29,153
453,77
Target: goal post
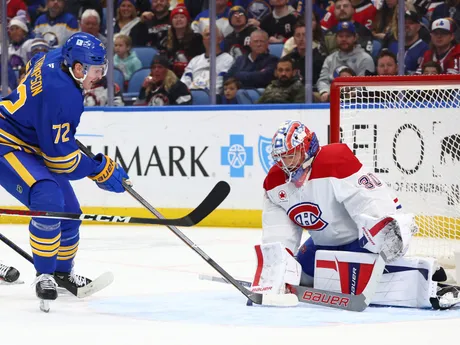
406,130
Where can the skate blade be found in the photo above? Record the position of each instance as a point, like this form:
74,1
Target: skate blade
2,282
44,305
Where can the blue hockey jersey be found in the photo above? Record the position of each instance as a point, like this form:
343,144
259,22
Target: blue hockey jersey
41,117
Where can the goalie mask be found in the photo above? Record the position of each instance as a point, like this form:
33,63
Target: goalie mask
293,149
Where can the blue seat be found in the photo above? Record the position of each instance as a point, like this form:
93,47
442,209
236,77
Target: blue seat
134,85
247,96
119,78
137,78
145,54
376,48
200,97
276,49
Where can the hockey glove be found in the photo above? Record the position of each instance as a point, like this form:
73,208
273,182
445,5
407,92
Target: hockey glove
109,175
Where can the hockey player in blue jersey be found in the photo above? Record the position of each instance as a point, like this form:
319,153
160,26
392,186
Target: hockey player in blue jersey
39,154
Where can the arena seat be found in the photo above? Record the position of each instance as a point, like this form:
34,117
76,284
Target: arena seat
145,54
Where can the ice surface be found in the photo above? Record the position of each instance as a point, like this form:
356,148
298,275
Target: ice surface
156,298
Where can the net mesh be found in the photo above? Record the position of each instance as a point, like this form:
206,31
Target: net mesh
409,136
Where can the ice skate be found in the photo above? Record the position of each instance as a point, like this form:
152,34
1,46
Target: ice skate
447,297
8,274
74,279
45,288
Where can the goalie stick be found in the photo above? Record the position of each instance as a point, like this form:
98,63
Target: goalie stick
94,286
325,298
209,204
276,300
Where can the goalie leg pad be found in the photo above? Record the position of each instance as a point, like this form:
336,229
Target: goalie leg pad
276,267
406,282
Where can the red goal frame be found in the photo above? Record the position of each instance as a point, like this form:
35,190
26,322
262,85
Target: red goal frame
413,80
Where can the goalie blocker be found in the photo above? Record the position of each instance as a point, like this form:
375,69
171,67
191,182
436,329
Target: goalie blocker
406,282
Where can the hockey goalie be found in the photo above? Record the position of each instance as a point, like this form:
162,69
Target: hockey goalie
351,216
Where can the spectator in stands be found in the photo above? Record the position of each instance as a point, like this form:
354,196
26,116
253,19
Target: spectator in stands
12,82
56,26
279,25
387,63
431,67
98,95
318,36
197,72
257,10
231,87
126,17
383,19
415,46
39,45
183,44
19,47
125,59
237,43
153,28
344,12
286,88
349,54
364,14
319,7
202,20
15,8
162,87
298,55
90,22
256,69
449,9
444,50
35,8
345,71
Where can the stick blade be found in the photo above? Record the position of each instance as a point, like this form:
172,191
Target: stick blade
274,300
209,204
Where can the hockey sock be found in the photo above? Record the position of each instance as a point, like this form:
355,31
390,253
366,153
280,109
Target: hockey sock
45,234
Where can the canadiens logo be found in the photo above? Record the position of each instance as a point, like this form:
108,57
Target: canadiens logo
282,195
308,216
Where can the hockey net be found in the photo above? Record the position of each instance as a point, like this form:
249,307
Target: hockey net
406,130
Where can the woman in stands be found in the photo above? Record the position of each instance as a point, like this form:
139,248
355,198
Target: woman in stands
183,44
126,17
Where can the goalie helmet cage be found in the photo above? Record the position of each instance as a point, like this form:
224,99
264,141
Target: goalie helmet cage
406,131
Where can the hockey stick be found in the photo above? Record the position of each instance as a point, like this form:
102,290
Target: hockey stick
209,204
327,298
278,300
94,286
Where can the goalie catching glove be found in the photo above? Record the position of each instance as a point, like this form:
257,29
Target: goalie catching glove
109,175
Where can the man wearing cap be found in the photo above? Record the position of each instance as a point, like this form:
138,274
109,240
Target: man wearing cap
349,54
344,12
415,46
162,87
19,47
153,28
56,26
445,51
237,43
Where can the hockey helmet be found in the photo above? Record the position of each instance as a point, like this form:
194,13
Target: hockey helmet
86,49
294,147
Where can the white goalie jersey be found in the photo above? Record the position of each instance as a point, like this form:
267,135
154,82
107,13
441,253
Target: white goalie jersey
337,204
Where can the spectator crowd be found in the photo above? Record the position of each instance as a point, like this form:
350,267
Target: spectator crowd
162,47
